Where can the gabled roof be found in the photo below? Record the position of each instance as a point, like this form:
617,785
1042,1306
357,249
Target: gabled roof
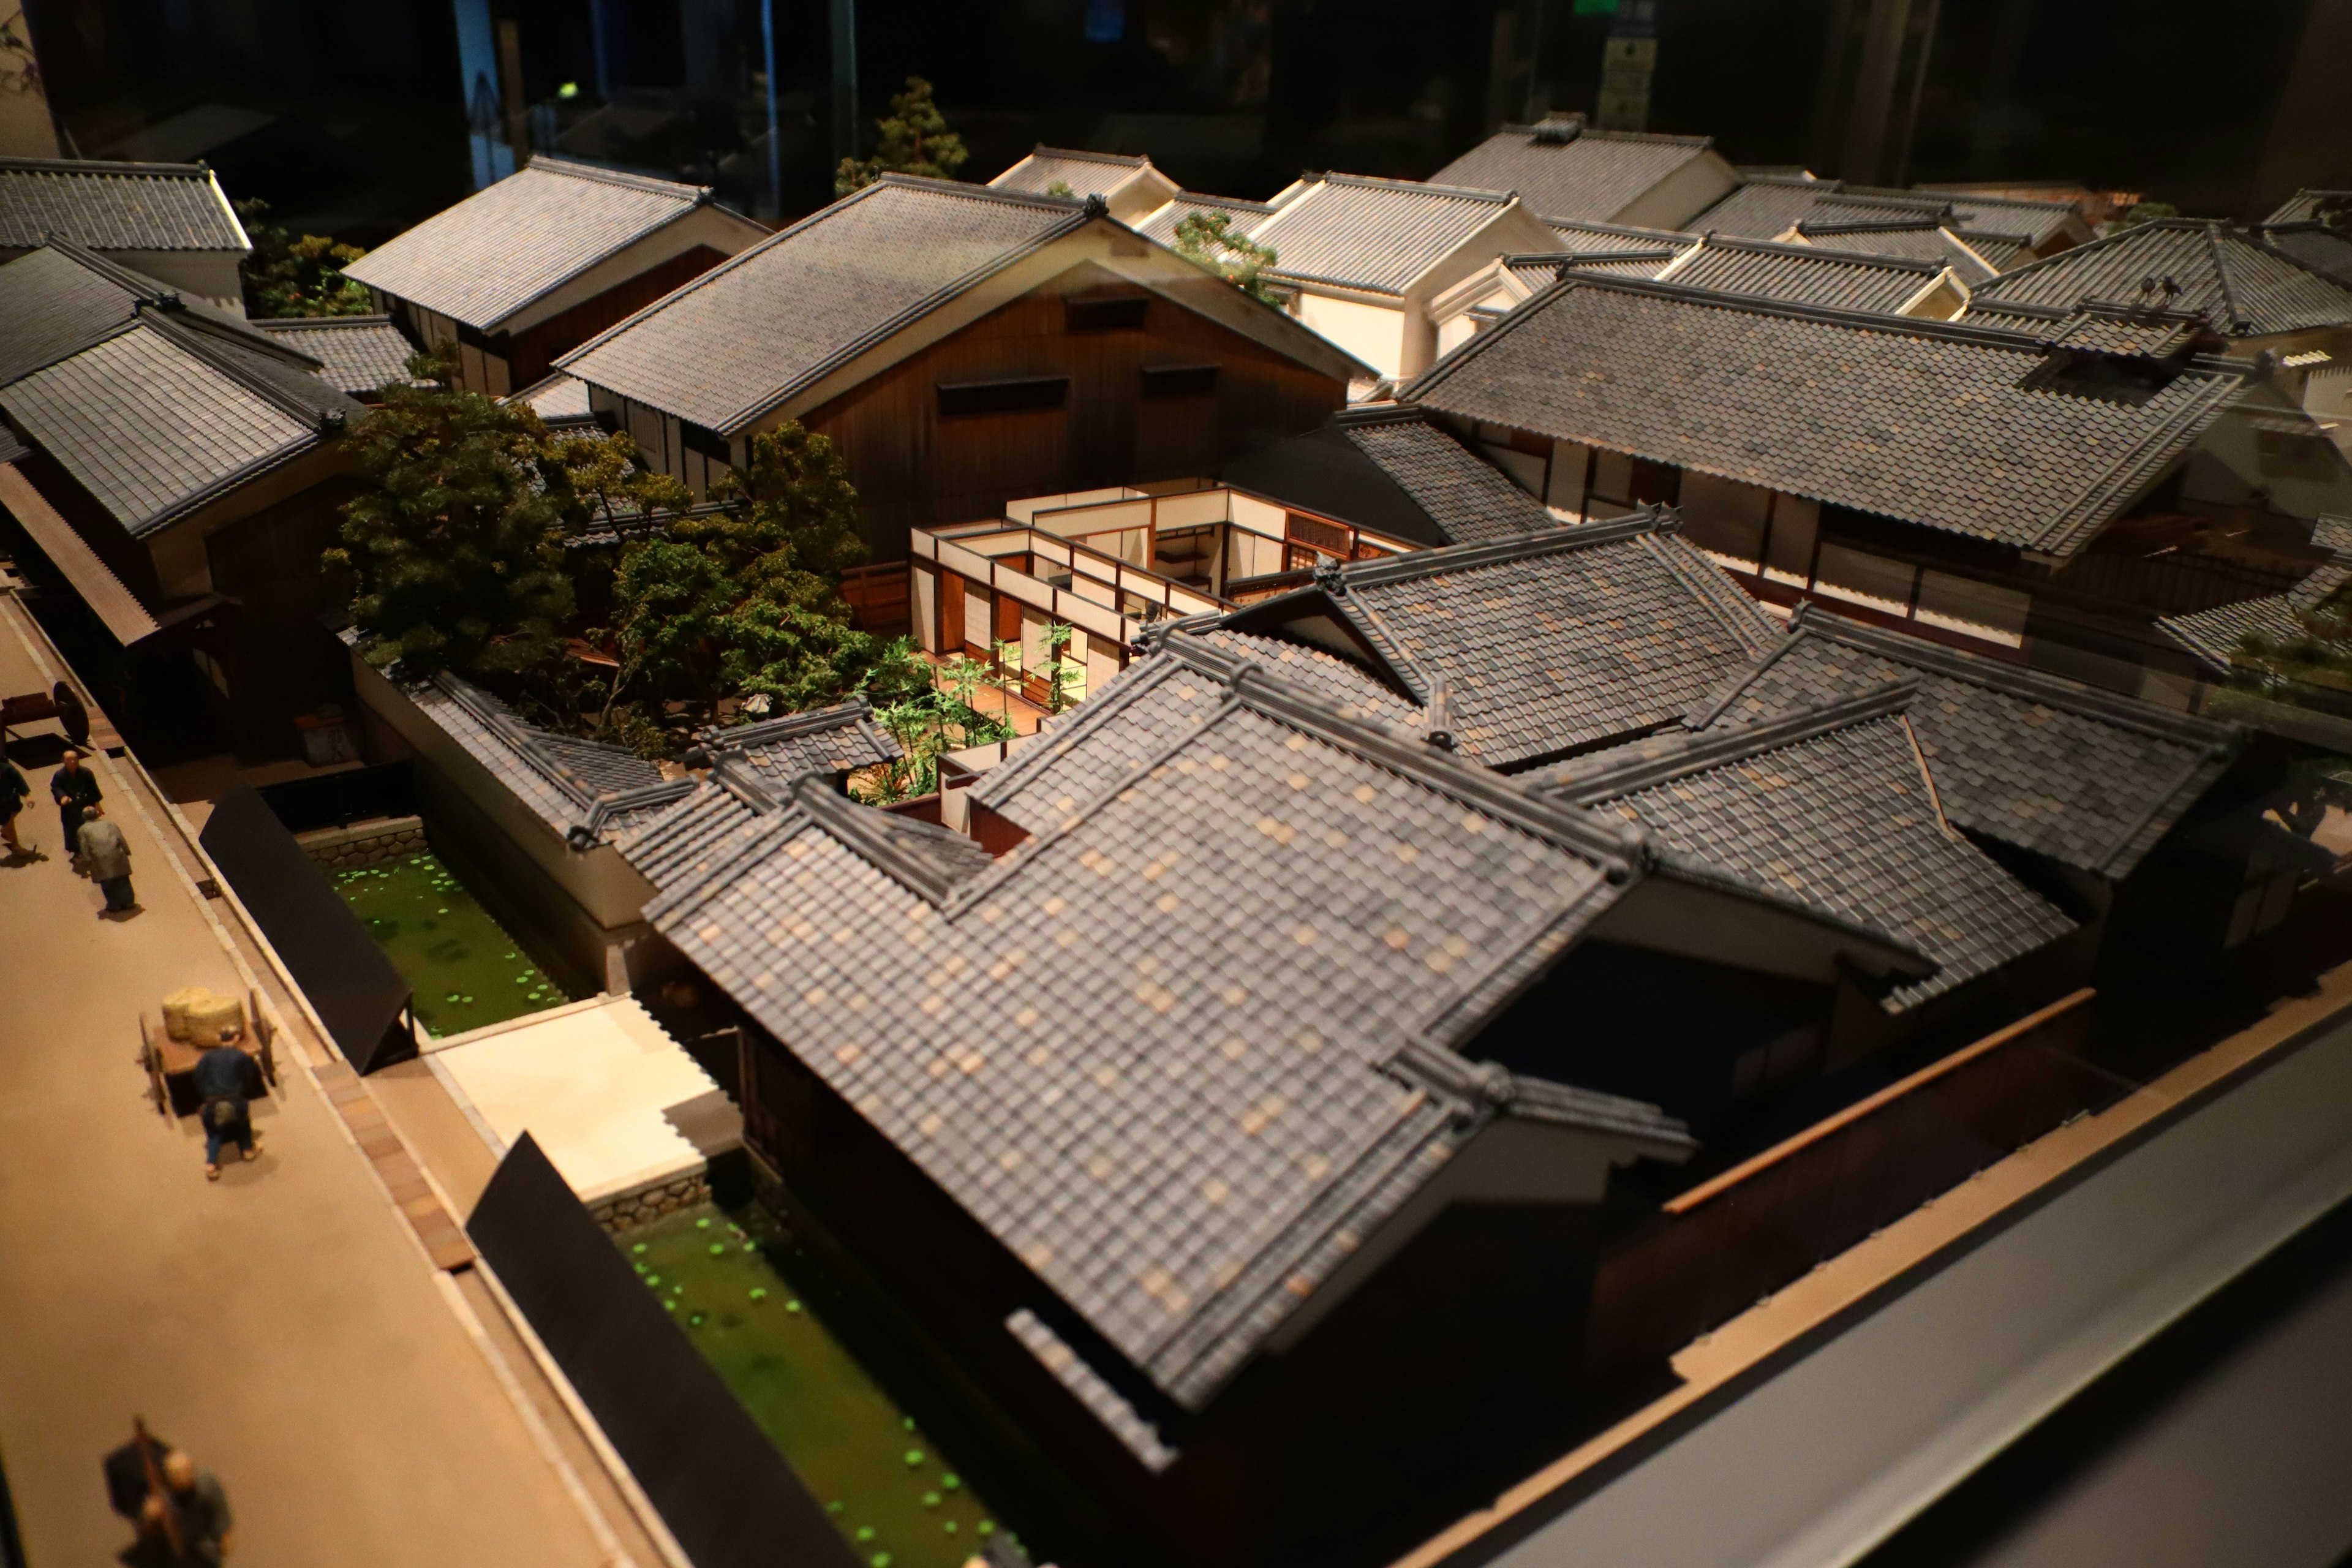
1389,470
1376,234
2081,776
2036,223
1534,271
2214,635
1763,207
499,250
359,353
1563,169
750,332
2316,246
1162,224
2244,286
561,400
1926,239
1183,1050
1833,806
1805,274
1537,647
154,411
115,207
1911,419
57,298
1584,237
2303,206
1086,174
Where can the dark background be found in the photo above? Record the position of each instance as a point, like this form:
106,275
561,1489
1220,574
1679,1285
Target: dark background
350,117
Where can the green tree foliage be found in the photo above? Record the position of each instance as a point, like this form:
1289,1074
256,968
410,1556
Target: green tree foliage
290,276
926,725
744,603
2311,667
915,141
452,540
1208,239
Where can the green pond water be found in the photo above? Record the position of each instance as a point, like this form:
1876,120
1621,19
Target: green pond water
467,971
730,1278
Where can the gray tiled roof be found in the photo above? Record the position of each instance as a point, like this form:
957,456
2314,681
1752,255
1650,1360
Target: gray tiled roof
1182,1051
1162,224
1763,208
1924,240
1805,274
1378,235
2036,223
1582,237
1922,421
1594,175
2081,776
2213,635
2318,246
745,336
115,207
1840,205
1468,498
62,297
562,780
2303,206
841,739
752,766
491,255
1603,263
362,354
153,420
560,399
2243,285
1086,174
1544,644
1831,806
1104,1403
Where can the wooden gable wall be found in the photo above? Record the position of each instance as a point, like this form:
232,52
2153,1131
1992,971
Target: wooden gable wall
912,467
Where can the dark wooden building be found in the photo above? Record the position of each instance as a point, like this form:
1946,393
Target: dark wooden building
962,346
515,275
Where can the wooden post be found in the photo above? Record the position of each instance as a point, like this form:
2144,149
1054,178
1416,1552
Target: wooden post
152,1060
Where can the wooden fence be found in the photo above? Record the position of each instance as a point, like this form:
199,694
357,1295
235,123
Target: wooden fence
878,598
1713,1251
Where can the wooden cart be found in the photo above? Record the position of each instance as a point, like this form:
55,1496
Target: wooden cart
171,1064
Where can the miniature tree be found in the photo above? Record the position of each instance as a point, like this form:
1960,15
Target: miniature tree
1065,676
452,541
915,141
1208,239
2146,212
2316,659
1061,188
289,277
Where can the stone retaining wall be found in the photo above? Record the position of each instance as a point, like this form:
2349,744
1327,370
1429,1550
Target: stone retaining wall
627,1211
382,843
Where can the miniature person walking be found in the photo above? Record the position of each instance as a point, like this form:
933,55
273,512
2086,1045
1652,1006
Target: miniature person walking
107,857
75,789
186,1520
13,791
222,1076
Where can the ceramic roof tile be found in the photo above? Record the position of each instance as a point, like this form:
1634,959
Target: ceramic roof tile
115,207
1381,234
362,354
2081,776
1805,274
2318,246
2213,635
1591,175
1921,421
59,299
562,780
1762,208
2037,223
747,333
1161,225
1107,1405
1830,806
1469,500
1924,240
2242,285
2304,204
484,259
1086,174
1178,1050
151,426
1544,644
1582,237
